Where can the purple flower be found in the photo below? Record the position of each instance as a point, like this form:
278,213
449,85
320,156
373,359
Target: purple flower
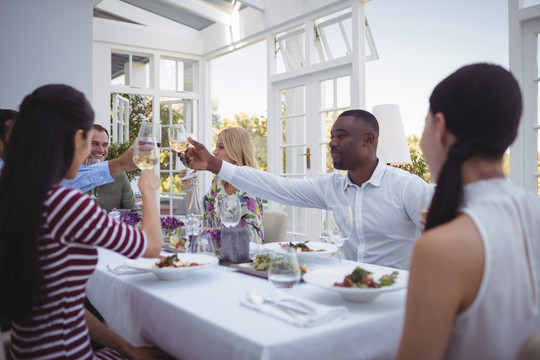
170,223
131,218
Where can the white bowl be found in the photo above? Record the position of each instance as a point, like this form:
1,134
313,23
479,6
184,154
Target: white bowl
146,264
325,278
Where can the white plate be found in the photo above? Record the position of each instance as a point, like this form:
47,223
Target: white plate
319,248
180,273
325,278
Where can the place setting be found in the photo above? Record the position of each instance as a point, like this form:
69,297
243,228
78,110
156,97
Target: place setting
283,275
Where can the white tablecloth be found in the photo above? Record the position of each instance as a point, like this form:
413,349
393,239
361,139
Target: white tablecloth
201,317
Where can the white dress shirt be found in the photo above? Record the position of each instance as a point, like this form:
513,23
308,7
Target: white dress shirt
386,207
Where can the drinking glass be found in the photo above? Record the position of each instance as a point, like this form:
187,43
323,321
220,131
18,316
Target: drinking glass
284,272
229,211
149,129
89,162
145,152
337,225
178,141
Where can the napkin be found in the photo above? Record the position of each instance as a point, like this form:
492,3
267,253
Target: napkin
122,269
309,313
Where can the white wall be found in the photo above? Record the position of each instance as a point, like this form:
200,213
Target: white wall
43,42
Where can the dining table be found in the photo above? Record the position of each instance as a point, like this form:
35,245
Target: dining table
201,316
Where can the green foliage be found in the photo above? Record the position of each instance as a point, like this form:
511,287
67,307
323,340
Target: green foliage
140,110
255,125
115,150
418,165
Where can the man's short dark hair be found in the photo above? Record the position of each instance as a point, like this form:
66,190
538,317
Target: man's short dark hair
368,118
5,115
101,128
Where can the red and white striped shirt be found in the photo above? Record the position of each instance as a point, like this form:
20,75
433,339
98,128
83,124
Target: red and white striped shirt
73,226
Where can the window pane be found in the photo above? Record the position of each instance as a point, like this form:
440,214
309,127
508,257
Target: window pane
119,65
295,160
167,74
140,72
344,92
327,94
335,40
165,182
293,102
293,130
188,77
164,156
290,53
177,186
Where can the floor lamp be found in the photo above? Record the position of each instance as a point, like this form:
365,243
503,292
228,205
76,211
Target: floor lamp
392,148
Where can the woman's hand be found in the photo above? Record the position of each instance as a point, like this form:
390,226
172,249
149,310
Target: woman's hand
148,182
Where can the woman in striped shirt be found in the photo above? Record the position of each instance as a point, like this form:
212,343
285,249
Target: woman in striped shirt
49,234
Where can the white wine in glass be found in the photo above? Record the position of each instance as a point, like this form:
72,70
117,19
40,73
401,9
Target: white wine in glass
178,141
145,153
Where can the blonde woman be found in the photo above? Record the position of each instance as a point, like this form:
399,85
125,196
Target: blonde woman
234,145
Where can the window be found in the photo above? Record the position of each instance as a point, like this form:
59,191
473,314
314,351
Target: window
176,75
130,70
335,98
136,97
290,52
333,37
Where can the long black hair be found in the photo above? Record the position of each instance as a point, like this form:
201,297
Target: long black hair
482,107
38,155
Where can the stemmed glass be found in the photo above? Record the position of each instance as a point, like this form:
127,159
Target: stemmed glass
178,141
284,272
89,162
145,150
229,211
337,225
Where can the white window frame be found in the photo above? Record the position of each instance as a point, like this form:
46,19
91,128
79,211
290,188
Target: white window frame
120,117
523,57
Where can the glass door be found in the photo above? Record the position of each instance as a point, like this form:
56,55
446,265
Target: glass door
307,108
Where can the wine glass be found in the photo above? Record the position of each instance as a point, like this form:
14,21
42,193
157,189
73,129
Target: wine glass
229,211
338,224
148,129
178,141
89,162
145,152
284,272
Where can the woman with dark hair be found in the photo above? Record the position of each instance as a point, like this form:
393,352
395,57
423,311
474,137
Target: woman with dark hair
49,233
473,285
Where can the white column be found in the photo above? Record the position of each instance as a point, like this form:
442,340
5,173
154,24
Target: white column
44,42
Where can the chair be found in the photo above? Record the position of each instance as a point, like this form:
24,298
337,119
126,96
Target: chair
275,226
531,348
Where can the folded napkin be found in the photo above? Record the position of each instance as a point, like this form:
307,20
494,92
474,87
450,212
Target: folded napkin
122,269
299,312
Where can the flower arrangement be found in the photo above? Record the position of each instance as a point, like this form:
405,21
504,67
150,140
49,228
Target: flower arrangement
170,226
131,218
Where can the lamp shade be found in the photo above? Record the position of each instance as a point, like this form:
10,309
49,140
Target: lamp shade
392,148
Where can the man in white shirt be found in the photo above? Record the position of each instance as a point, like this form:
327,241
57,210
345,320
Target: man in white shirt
385,200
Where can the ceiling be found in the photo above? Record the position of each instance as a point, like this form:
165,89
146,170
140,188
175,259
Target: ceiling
196,14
